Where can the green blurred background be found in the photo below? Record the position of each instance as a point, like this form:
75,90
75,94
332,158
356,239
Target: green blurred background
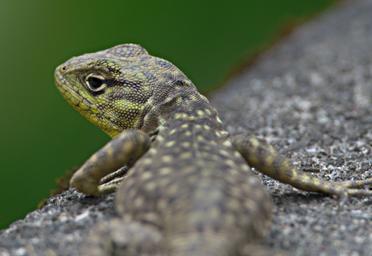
41,137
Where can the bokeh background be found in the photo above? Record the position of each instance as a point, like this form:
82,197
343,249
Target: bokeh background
41,137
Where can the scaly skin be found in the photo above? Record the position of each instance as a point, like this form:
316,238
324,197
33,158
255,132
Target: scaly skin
189,190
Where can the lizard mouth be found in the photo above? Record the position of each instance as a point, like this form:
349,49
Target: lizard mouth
71,93
84,106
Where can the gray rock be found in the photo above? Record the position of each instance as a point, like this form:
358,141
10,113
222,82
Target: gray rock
310,96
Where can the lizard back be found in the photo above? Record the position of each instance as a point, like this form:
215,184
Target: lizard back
193,185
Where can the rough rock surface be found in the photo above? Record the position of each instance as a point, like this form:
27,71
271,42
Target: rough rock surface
310,96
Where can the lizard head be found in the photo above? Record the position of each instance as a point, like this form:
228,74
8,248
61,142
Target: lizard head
117,87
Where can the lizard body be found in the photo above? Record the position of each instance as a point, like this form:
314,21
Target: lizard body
189,190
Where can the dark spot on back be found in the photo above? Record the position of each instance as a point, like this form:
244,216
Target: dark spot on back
163,63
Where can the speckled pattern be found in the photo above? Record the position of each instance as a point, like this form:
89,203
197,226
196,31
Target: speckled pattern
328,127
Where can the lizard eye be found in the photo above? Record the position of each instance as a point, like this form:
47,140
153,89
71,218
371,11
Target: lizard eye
95,83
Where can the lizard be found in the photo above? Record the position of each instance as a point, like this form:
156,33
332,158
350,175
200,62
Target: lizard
189,189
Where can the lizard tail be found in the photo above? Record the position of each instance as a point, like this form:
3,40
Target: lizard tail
201,244
219,245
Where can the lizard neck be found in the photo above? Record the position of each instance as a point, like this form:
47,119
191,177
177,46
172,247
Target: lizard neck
182,105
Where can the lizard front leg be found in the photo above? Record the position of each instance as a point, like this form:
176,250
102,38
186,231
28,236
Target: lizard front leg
124,149
268,161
